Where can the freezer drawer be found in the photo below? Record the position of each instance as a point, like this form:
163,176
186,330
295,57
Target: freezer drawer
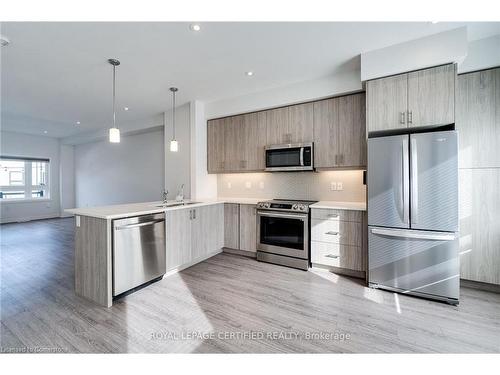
138,251
415,262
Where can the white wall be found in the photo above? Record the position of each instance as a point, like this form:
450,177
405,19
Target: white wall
18,144
67,177
296,93
178,164
437,49
125,172
203,185
481,54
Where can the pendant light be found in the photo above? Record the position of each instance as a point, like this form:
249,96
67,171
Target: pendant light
114,132
174,145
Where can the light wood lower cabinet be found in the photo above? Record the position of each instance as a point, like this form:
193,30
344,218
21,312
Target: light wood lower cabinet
480,224
232,225
240,227
193,234
338,239
248,227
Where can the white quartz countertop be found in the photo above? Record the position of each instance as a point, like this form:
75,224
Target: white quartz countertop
355,206
144,208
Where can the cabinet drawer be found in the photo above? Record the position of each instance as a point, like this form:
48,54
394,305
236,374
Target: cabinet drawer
325,253
334,231
330,214
337,255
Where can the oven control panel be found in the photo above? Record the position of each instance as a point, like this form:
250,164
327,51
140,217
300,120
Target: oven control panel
283,206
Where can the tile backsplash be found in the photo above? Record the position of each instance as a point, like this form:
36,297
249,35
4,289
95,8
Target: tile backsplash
294,185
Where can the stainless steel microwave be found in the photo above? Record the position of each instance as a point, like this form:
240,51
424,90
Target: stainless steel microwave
290,157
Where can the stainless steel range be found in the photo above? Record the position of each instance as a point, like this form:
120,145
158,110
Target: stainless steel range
283,228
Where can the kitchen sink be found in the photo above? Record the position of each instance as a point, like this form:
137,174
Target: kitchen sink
175,204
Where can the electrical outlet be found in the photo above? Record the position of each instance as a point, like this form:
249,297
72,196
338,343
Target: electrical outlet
261,184
229,185
340,186
248,184
333,186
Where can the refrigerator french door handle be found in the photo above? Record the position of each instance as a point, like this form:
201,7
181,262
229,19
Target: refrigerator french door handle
414,181
405,182
414,234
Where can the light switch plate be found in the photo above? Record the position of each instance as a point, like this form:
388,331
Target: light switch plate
333,186
248,184
261,184
229,185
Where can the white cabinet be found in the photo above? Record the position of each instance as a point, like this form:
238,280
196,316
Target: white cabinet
193,234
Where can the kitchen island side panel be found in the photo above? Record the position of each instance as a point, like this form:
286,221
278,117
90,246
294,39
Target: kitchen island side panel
93,262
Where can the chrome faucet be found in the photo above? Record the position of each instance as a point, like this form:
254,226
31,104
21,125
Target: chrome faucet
165,196
180,194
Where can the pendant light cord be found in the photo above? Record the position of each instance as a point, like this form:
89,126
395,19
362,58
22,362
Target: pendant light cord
173,114
114,96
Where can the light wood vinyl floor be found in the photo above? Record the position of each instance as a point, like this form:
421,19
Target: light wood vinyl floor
226,304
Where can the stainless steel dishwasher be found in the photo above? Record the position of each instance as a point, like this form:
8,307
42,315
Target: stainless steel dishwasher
138,251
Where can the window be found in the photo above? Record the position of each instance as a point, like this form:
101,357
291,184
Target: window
24,178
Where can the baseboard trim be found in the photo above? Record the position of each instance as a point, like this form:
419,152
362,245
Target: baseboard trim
192,263
342,271
245,253
480,285
28,218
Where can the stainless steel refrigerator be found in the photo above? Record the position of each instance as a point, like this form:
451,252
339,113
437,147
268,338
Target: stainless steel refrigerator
413,214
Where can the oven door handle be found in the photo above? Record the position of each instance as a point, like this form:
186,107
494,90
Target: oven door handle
286,216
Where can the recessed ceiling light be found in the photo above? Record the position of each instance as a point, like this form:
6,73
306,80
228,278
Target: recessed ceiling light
4,41
195,27
45,132
125,108
78,122
250,73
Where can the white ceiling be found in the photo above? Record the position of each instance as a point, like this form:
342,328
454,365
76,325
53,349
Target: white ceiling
54,74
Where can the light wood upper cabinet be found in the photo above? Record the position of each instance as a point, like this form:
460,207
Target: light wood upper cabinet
351,144
277,121
478,119
300,126
422,98
233,131
340,132
326,125
431,96
386,103
248,227
215,146
252,141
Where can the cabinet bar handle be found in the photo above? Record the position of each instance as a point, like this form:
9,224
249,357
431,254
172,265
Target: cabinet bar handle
332,233
331,256
410,117
332,215
402,121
